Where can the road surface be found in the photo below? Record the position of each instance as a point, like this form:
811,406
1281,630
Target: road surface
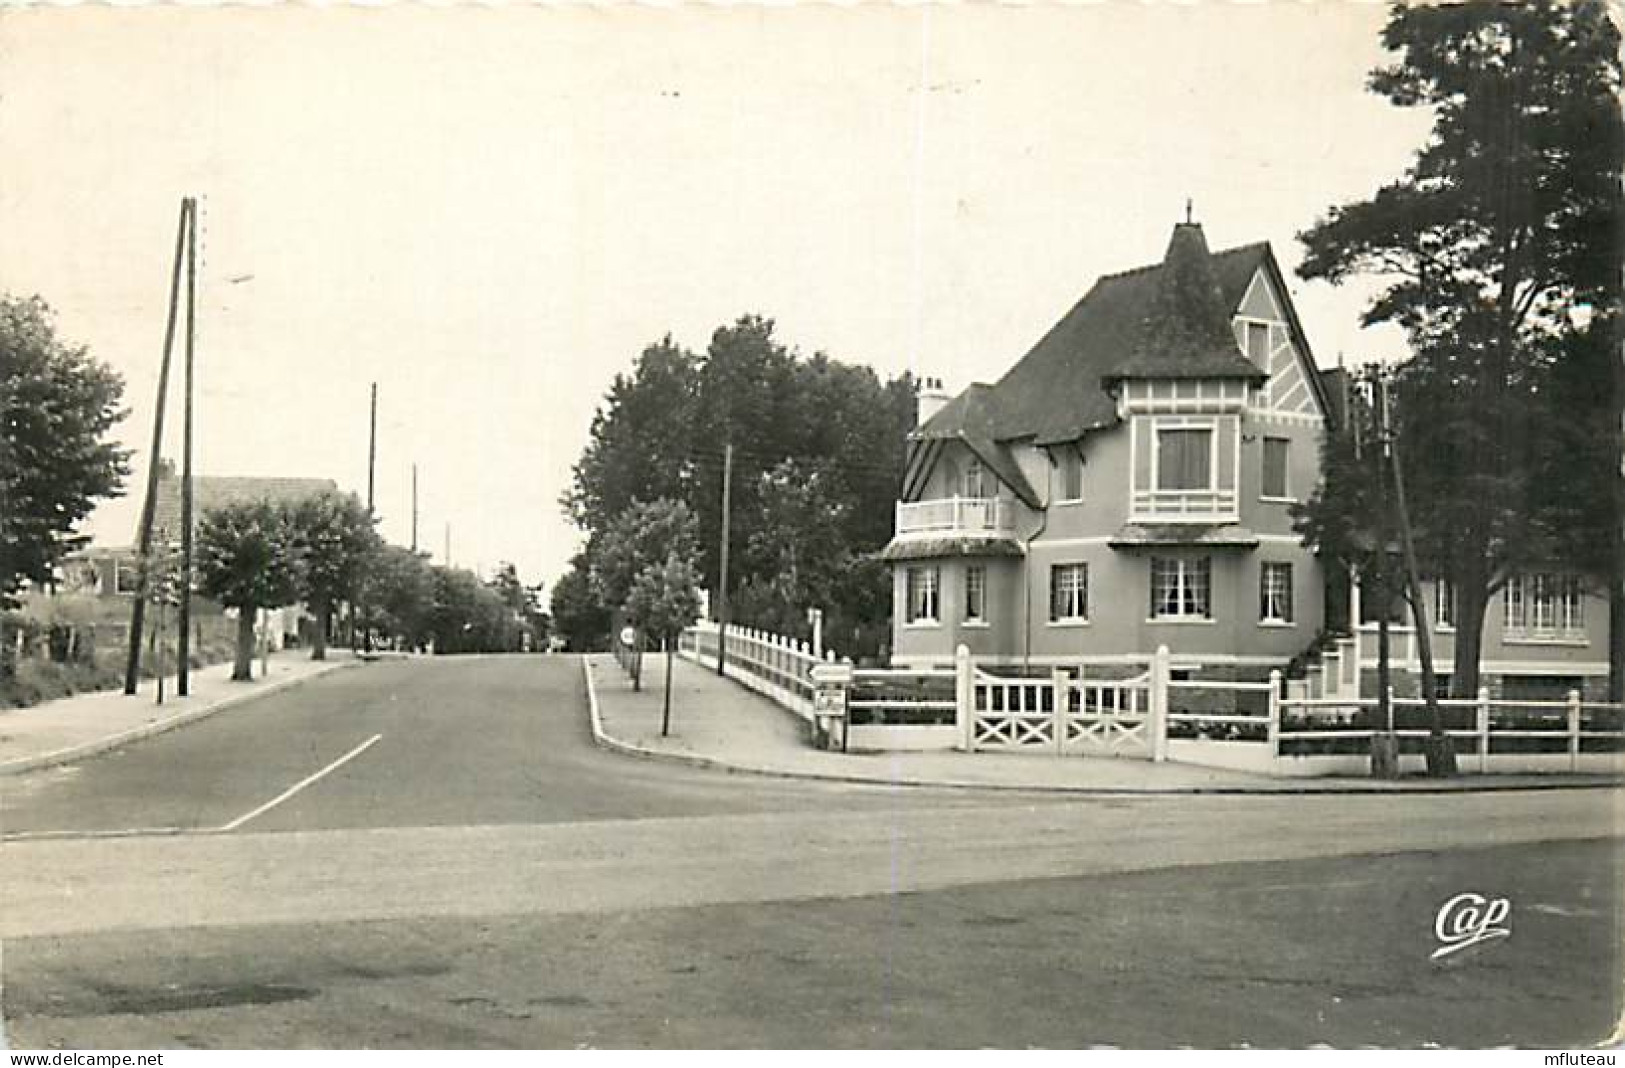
432,853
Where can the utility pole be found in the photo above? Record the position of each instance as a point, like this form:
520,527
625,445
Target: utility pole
183,645
414,508
722,583
372,466
1384,745
448,544
132,665
372,444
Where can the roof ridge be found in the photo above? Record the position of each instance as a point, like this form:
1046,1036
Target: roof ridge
1158,265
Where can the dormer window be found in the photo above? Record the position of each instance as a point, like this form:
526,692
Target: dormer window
1258,344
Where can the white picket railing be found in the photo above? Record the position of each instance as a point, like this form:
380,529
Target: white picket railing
1247,725
955,515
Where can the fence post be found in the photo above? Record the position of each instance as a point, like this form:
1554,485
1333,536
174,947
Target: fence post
965,699
1159,705
1483,716
1059,680
1272,729
1574,730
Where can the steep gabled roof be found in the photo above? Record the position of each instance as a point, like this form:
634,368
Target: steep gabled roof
1169,320
970,419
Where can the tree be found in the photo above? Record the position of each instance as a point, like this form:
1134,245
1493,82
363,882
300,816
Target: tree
248,560
663,430
335,538
581,619
525,602
640,538
798,552
400,591
1508,217
642,535
641,439
664,602
57,406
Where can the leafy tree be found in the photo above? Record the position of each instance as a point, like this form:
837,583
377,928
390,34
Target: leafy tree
336,538
57,406
798,552
1508,217
664,600
640,441
663,431
580,617
525,602
400,590
644,534
248,559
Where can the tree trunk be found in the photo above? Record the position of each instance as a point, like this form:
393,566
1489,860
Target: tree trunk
318,640
1472,603
665,711
242,665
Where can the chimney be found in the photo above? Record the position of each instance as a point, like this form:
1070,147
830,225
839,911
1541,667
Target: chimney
931,399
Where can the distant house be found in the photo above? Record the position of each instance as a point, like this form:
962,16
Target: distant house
113,571
1128,484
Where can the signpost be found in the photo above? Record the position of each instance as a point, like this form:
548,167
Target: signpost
832,688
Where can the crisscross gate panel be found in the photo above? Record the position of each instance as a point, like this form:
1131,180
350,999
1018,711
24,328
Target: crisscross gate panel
1063,716
1107,718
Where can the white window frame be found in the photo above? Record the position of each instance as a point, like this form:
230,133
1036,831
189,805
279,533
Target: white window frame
1165,426
1444,604
930,595
1079,593
975,595
1269,599
1286,469
1187,569
1544,607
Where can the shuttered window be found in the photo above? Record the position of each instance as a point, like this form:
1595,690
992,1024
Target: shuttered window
1276,451
1185,458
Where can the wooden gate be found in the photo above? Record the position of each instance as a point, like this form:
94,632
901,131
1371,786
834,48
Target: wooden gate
1107,718
1091,717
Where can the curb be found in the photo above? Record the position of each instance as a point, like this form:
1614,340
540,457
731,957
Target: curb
610,743
96,746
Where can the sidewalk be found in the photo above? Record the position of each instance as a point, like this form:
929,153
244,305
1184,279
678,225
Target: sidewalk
716,722
72,728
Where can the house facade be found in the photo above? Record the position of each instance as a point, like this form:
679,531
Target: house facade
1129,482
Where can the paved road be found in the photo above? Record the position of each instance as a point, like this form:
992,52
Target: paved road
481,876
464,741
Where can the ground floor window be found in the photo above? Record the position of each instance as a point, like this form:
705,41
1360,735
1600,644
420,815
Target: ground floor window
1181,587
975,594
1275,592
923,586
1068,592
1544,606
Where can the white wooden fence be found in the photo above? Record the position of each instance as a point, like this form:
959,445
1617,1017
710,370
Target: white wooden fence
1244,725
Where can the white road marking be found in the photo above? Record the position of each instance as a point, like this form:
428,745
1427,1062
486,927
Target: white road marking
300,785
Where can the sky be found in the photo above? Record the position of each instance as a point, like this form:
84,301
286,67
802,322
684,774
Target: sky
489,211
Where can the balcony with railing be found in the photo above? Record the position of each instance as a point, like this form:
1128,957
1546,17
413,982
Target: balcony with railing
986,517
1184,506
